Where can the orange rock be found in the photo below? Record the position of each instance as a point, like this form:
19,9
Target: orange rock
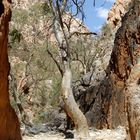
9,124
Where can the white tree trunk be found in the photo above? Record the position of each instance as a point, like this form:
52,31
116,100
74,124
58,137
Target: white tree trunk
71,107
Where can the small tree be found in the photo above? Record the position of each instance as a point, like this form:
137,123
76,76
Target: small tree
62,36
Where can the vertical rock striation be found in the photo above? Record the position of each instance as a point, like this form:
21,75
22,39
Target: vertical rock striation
118,98
9,125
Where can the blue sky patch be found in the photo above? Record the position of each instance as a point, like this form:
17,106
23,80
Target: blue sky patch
96,15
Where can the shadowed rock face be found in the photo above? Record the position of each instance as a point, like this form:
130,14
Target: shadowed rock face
118,98
9,125
1,8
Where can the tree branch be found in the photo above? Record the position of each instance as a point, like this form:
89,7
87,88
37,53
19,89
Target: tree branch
82,33
56,62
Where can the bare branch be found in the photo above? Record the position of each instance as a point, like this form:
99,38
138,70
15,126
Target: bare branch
62,27
56,62
79,7
82,33
50,3
94,3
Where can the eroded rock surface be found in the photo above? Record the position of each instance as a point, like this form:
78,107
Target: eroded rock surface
117,100
9,125
118,10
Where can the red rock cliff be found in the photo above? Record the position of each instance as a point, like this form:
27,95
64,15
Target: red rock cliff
9,125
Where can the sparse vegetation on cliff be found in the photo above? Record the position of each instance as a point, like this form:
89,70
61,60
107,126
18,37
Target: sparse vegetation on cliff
63,77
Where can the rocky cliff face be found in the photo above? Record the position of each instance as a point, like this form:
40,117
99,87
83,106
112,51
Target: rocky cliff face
117,100
31,65
9,125
118,10
42,24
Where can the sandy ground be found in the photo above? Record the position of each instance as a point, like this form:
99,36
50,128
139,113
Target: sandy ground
106,134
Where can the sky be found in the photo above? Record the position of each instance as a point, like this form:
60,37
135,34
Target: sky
96,15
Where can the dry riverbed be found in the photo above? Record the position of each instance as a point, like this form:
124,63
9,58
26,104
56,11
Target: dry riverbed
105,134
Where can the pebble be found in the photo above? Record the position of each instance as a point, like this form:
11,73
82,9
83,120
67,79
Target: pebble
105,134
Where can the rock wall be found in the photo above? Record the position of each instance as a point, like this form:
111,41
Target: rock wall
9,125
118,10
117,100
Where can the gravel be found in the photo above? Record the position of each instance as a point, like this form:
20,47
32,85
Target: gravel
105,134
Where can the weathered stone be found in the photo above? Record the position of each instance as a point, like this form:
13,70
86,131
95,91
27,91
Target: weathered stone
117,102
117,12
9,125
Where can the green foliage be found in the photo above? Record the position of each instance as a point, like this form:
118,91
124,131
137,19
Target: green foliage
55,93
19,16
41,68
39,9
41,117
82,55
15,36
45,8
13,104
106,30
45,116
28,43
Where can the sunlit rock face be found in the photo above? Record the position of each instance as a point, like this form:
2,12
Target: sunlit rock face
117,100
9,125
24,4
118,10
